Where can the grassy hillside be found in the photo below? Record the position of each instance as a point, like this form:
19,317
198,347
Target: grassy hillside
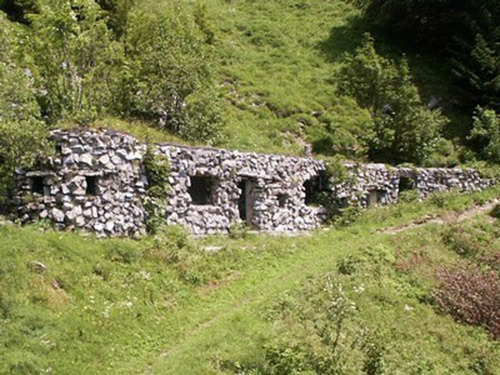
171,305
276,64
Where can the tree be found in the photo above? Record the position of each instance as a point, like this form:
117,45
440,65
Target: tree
23,136
167,77
404,129
485,134
76,59
476,58
468,31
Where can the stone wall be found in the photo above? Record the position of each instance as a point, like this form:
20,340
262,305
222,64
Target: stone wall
380,184
96,182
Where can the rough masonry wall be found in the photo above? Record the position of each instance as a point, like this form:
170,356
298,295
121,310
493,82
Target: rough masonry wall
275,200
380,184
96,182
61,191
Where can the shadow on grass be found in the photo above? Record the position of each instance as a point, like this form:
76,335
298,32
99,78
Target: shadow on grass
344,38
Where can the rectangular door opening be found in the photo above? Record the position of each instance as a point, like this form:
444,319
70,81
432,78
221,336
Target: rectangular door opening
246,200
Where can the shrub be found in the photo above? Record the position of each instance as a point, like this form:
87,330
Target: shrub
485,134
464,242
157,169
404,129
495,212
314,336
471,295
167,76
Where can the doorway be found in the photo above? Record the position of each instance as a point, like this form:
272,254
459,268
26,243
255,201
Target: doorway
375,197
246,200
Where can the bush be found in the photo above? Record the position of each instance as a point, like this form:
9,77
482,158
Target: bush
314,336
167,76
404,129
463,241
495,212
485,134
471,295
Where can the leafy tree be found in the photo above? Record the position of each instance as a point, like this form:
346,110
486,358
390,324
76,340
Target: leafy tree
485,134
76,59
167,75
22,133
404,130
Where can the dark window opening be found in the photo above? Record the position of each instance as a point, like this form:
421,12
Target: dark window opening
37,185
407,184
375,197
201,190
282,200
91,182
315,189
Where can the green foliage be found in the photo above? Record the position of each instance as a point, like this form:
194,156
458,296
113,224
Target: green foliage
22,133
19,10
467,31
238,230
157,169
404,130
485,134
75,59
495,212
117,14
167,77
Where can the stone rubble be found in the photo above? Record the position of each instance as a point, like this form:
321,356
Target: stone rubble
96,182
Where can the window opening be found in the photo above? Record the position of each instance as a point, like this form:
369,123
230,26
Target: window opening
37,185
407,184
314,189
282,200
201,190
91,188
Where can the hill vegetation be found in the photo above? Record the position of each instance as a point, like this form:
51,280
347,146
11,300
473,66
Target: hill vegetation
263,75
393,81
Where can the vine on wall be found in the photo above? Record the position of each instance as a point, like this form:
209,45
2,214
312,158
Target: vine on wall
157,169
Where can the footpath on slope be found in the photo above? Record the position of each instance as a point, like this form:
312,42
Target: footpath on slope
449,217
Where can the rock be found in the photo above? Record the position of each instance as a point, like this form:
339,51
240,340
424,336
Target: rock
86,159
57,215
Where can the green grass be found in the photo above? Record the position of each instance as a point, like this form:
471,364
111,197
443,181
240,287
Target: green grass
165,306
276,64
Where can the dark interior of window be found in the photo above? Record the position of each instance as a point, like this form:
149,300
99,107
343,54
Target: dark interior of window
91,188
314,189
201,190
407,184
282,200
37,185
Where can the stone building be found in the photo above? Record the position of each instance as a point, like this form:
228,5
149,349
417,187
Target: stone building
96,182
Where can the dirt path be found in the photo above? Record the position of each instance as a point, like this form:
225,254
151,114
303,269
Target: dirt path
449,217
